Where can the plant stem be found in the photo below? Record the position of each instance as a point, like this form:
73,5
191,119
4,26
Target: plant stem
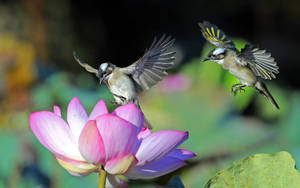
102,177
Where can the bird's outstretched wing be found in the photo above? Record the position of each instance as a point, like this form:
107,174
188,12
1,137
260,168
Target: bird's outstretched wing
215,36
85,65
152,66
260,62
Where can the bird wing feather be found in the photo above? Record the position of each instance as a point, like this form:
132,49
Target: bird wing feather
152,66
260,62
85,65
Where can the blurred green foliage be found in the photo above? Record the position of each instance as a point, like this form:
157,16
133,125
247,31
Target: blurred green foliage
175,183
60,88
219,132
8,161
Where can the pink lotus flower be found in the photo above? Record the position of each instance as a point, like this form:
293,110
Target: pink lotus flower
116,142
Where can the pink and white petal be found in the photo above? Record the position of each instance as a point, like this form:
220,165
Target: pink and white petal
130,113
78,174
159,144
77,167
77,117
155,169
144,133
120,165
181,154
119,136
54,134
57,110
115,182
136,145
99,109
91,144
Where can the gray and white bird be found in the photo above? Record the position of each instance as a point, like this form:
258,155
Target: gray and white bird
127,82
248,65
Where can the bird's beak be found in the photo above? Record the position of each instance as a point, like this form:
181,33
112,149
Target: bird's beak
101,80
205,59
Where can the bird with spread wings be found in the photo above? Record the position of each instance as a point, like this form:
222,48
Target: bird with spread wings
248,65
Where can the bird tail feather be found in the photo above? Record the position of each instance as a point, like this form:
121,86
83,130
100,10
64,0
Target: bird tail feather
146,122
262,88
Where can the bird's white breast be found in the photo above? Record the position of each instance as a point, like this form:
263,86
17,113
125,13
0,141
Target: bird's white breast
120,84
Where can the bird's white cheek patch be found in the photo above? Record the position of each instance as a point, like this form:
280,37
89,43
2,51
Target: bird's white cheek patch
220,61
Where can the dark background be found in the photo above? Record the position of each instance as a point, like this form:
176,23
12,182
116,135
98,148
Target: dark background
120,31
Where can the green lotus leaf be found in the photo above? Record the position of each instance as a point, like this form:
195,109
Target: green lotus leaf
259,171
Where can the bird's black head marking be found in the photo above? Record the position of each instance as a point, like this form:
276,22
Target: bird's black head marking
105,69
216,54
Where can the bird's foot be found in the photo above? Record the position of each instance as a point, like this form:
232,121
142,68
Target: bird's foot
113,102
233,88
121,99
237,87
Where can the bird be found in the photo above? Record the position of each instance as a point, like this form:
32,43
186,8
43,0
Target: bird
125,83
250,65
